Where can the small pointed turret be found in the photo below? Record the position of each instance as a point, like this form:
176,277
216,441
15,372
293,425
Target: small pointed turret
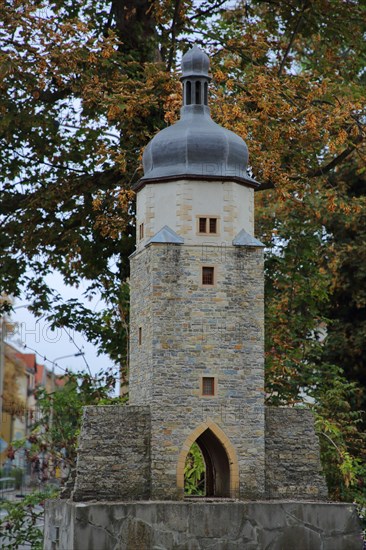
195,78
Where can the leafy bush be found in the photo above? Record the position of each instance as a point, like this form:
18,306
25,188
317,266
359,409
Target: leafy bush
22,523
194,472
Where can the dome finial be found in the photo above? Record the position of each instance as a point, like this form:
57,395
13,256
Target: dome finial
195,63
195,79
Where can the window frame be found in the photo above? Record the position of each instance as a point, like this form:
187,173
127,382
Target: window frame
212,377
209,285
208,218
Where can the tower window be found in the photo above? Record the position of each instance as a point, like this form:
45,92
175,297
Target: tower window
205,93
140,336
141,231
212,225
208,275
208,386
188,93
202,225
207,226
198,92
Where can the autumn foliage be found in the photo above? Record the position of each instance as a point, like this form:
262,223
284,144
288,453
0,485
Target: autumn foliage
85,85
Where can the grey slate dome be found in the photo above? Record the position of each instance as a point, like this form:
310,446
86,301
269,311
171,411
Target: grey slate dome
196,147
195,63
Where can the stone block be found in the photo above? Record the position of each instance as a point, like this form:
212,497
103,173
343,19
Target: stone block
118,468
293,468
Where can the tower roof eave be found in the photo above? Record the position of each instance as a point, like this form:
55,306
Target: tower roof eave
241,180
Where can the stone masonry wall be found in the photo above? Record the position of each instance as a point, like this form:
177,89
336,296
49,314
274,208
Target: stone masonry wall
114,454
190,331
201,525
293,468
141,379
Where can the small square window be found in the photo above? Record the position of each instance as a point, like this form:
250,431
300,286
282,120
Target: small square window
207,226
208,275
208,385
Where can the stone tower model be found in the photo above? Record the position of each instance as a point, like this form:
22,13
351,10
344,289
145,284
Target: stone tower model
197,302
196,333
196,375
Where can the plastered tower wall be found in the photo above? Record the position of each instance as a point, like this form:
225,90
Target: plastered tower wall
180,204
181,331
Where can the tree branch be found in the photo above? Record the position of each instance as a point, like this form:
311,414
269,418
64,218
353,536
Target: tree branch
173,33
265,186
108,23
52,165
50,97
322,170
294,33
200,13
337,160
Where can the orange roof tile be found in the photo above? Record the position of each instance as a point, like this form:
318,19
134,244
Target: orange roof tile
28,358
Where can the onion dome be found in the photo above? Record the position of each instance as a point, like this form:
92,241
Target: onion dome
196,147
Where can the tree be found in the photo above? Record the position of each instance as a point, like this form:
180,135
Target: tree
84,88
21,521
59,414
194,472
347,304
58,419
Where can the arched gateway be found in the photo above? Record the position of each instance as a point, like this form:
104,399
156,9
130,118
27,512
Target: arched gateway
222,470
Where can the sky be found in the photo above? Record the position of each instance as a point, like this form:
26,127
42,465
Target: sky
35,335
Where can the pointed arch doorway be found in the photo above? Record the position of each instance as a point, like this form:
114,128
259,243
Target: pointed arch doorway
221,465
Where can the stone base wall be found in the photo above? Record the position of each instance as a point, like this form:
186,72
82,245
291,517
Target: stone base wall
114,454
201,525
293,468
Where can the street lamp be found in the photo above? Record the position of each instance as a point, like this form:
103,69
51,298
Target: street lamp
66,356
78,354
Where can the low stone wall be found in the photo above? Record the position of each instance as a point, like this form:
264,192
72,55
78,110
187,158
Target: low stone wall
293,468
114,454
201,525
